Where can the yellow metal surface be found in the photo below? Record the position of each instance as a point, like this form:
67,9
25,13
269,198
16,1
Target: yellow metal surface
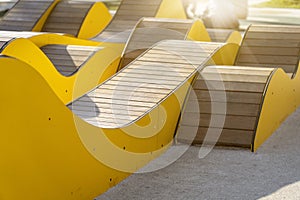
198,32
235,37
281,99
101,66
39,25
171,9
49,153
226,55
96,20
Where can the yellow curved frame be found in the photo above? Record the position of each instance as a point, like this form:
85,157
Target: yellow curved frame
198,32
171,9
281,99
39,25
94,71
49,153
97,69
226,55
235,38
96,20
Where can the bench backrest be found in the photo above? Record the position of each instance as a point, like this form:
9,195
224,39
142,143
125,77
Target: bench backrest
271,46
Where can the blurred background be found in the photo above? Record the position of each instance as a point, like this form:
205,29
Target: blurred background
229,14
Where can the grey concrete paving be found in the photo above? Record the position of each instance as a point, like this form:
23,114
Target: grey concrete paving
226,173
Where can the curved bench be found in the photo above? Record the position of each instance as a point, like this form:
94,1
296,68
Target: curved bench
265,80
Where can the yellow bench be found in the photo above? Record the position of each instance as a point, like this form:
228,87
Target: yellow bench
80,151
258,93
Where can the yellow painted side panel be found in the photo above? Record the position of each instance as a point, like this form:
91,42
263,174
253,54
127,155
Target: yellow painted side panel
97,69
96,20
198,32
281,99
42,156
226,55
39,25
171,9
235,37
47,153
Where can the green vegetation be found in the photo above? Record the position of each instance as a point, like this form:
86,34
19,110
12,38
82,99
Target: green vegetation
281,4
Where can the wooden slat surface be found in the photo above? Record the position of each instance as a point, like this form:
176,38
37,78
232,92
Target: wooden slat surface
136,89
126,17
68,59
67,17
152,30
24,15
229,95
234,94
271,46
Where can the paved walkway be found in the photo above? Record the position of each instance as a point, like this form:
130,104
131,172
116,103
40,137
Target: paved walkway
226,173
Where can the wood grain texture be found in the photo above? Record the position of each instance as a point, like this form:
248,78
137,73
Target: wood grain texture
136,90
126,17
227,101
150,31
67,17
68,59
24,15
271,46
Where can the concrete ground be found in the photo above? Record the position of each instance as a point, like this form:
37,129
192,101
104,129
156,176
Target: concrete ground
272,173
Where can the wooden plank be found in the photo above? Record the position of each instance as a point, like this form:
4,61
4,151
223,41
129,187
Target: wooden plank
274,35
150,90
230,86
235,109
287,68
109,111
228,137
275,28
123,102
139,82
266,59
228,96
231,122
238,70
125,95
24,15
234,77
67,17
105,105
285,51
98,115
163,76
119,88
152,72
270,43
